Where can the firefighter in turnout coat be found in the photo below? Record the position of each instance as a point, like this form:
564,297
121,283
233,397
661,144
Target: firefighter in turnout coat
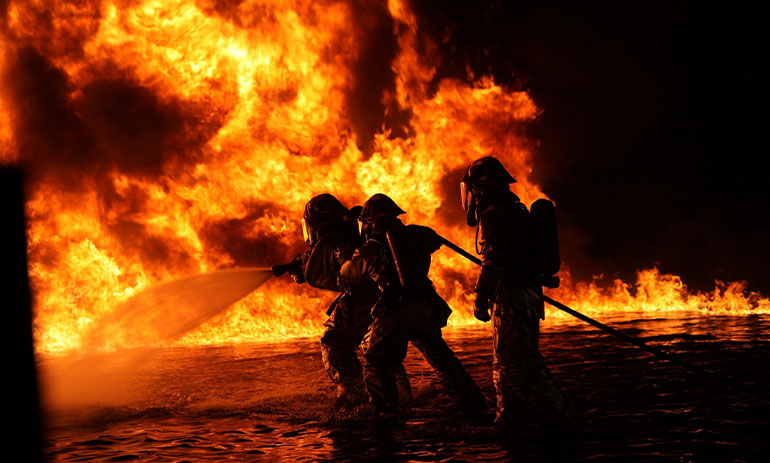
510,287
331,232
396,259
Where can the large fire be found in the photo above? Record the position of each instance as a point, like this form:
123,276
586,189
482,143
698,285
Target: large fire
165,138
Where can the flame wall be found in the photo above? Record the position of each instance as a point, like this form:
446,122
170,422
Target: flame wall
164,138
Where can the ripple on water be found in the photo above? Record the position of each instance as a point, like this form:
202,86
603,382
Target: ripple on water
274,403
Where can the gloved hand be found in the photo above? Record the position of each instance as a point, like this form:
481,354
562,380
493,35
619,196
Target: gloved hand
293,268
280,269
483,306
297,275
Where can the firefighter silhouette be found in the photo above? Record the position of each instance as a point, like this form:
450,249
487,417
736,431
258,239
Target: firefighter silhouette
520,255
396,259
331,232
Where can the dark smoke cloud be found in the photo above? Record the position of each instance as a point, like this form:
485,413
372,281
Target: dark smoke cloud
134,237
377,46
134,131
50,136
228,9
246,243
373,75
4,13
114,124
652,127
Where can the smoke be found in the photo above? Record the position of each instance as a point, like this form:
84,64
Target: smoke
245,243
368,112
132,128
49,135
114,125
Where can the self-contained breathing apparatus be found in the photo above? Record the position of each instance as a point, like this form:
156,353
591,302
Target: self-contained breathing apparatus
405,251
485,179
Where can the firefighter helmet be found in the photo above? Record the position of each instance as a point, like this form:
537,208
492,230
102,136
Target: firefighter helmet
487,170
485,173
379,205
321,213
378,214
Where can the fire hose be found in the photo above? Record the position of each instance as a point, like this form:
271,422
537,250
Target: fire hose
654,350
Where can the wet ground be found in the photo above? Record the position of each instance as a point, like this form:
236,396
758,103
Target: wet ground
272,402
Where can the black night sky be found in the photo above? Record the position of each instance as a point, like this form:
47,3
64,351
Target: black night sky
653,127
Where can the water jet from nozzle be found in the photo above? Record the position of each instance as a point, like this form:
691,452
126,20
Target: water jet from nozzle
166,312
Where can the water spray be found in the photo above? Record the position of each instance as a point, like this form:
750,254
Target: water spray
166,312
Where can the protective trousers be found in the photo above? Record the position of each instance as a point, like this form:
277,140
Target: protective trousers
519,370
345,329
385,347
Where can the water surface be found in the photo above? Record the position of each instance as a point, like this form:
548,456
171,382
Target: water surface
273,402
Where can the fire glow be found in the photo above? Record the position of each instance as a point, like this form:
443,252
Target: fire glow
189,135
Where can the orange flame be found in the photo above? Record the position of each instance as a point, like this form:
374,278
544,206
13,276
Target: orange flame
243,115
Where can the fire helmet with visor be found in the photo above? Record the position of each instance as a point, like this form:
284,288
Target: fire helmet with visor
482,175
378,214
322,214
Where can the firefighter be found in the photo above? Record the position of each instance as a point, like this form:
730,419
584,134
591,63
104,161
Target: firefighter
396,259
510,286
331,233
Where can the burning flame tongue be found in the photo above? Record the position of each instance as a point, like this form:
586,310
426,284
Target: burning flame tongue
166,138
